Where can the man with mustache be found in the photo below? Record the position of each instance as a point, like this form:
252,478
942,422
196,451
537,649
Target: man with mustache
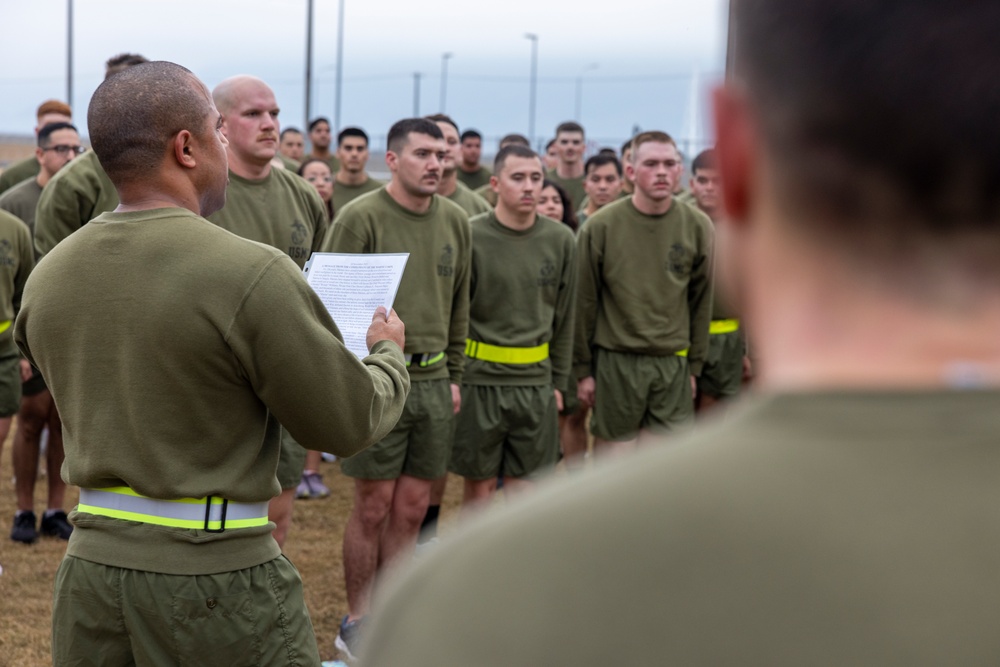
272,206
644,304
393,478
352,181
520,335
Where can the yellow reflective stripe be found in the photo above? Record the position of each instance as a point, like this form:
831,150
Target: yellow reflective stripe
433,360
723,326
682,353
128,491
5,325
506,355
172,523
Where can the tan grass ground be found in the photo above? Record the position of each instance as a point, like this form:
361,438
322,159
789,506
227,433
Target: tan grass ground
314,545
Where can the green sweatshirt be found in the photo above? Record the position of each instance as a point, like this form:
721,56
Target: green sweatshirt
522,295
78,192
343,193
281,210
19,171
17,259
475,179
572,186
332,161
470,202
487,193
22,200
644,284
173,349
433,297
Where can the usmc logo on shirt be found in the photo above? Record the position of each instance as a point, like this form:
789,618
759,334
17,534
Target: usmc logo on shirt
679,260
547,274
5,253
446,268
300,234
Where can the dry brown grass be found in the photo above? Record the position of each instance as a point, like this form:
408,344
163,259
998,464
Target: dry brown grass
314,545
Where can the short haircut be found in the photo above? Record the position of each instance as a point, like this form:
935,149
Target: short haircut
514,139
601,159
352,132
548,146
569,126
627,146
316,121
49,128
651,136
470,134
443,118
289,130
121,62
704,160
569,215
53,106
401,130
608,151
511,150
879,117
135,114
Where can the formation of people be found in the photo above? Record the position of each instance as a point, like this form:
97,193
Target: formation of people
491,299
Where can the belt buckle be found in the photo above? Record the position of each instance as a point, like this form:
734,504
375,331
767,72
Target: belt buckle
208,514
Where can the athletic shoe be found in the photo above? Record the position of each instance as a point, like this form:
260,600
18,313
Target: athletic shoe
317,488
302,491
24,528
56,525
349,638
328,457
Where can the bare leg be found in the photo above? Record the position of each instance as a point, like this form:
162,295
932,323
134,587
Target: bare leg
515,486
573,438
279,510
409,504
54,457
31,419
476,493
610,449
313,459
362,537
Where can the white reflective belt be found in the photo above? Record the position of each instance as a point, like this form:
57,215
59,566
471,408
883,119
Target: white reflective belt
212,514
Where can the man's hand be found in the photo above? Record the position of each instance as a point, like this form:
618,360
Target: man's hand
456,398
694,387
747,369
559,400
25,370
385,327
585,390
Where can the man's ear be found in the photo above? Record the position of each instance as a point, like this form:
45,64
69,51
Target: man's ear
391,160
735,151
183,146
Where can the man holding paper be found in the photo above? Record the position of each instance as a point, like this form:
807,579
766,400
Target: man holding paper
393,479
188,345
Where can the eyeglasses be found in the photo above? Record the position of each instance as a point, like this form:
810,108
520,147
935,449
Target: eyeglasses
64,149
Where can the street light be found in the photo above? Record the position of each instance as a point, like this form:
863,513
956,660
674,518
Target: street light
340,64
416,94
578,115
309,59
445,57
534,85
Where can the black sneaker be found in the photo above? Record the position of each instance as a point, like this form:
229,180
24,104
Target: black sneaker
349,637
56,525
24,528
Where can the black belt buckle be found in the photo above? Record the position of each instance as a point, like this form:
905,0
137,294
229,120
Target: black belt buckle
418,358
208,514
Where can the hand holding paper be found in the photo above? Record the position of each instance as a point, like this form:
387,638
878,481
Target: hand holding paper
386,327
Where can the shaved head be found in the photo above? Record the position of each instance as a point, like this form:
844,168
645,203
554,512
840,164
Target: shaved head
228,93
135,114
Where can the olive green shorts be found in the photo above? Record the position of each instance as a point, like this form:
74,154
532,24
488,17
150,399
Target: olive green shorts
640,392
105,615
33,385
509,431
420,443
722,374
10,385
292,461
571,404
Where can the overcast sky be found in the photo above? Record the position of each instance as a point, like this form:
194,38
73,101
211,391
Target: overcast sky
636,57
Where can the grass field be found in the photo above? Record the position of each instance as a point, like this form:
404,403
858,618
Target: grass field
314,545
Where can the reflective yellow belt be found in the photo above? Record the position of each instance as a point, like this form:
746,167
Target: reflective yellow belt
423,359
211,514
682,353
5,325
506,355
723,326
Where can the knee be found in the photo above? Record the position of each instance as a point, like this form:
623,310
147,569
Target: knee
372,509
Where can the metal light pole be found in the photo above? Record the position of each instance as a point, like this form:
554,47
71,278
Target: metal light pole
69,53
416,94
445,57
309,60
578,113
534,85
340,64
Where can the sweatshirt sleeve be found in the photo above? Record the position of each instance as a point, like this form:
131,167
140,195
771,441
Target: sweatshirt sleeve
458,329
561,347
588,288
700,300
290,349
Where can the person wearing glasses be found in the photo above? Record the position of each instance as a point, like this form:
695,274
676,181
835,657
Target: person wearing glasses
49,111
58,143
